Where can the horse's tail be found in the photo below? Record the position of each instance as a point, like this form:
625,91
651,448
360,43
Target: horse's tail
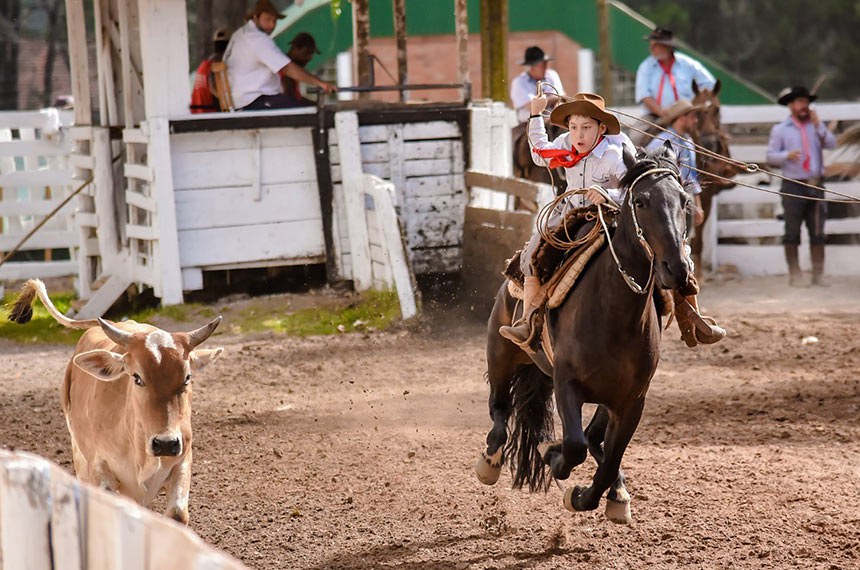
531,424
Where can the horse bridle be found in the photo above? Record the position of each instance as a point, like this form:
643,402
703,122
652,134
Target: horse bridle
649,251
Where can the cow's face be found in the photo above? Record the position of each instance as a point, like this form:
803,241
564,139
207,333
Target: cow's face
159,367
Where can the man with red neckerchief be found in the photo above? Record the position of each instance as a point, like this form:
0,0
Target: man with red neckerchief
796,145
667,76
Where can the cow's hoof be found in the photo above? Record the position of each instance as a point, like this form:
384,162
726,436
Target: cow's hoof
618,512
487,470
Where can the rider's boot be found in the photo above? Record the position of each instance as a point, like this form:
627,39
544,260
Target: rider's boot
795,275
695,329
520,331
817,253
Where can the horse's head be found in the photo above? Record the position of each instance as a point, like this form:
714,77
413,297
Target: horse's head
709,134
656,206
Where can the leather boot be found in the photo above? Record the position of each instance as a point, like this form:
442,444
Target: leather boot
520,331
795,275
695,329
817,253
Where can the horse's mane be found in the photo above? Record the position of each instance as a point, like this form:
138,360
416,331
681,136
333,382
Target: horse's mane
661,157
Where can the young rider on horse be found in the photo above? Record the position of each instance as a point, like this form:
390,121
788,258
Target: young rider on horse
591,153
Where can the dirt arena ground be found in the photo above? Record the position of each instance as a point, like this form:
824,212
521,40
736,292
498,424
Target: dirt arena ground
357,451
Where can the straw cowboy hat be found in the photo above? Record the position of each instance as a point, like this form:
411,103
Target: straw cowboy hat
266,7
588,105
789,94
662,36
678,109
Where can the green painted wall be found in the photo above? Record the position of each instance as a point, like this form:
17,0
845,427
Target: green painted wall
575,18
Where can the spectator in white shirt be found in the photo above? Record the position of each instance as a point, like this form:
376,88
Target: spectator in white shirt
255,64
524,85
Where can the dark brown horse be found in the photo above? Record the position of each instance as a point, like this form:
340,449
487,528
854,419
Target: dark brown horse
607,345
710,135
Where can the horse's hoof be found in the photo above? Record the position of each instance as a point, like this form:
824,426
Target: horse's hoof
618,512
545,447
569,495
487,469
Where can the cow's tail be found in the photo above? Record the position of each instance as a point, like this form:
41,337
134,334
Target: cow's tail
22,310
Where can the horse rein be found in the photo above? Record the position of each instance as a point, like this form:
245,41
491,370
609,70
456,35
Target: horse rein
640,235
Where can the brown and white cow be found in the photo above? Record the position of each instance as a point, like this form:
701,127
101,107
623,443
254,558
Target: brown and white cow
127,401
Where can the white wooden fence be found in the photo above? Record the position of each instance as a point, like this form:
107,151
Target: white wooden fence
744,230
35,176
51,521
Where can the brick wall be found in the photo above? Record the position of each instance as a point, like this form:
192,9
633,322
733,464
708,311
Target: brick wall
433,59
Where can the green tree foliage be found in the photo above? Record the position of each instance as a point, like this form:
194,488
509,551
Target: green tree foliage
773,43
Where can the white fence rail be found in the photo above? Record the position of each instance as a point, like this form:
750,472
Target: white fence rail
744,230
35,176
51,521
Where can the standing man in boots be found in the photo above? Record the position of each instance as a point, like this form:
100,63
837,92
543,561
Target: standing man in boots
796,145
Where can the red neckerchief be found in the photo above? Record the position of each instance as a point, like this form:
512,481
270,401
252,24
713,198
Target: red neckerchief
804,139
566,158
667,72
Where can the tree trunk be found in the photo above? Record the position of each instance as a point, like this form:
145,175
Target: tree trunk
494,49
10,22
53,37
360,41
399,9
461,26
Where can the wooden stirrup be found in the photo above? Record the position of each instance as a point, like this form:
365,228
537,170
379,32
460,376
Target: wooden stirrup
222,86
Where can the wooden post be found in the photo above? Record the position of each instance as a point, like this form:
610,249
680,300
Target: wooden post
360,41
399,9
494,49
164,52
605,51
77,32
461,27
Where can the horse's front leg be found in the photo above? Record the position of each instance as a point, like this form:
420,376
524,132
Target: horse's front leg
619,431
573,449
618,498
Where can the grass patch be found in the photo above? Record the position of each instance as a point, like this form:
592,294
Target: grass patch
375,310
42,329
372,310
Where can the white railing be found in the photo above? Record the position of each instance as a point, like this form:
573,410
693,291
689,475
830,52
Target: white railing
35,176
50,520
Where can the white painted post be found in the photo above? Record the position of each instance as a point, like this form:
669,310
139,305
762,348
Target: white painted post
349,146
585,69
25,516
168,269
710,237
164,50
67,531
395,248
78,63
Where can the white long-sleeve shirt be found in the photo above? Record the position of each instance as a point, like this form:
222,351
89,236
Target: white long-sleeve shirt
603,166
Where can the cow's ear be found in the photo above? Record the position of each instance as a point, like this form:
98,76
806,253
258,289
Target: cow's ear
202,358
103,364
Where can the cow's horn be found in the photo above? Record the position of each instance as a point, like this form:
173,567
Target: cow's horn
196,337
116,334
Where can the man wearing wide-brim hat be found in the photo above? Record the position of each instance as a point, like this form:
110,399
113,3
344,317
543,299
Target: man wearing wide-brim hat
796,145
524,85
680,120
255,64
667,76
